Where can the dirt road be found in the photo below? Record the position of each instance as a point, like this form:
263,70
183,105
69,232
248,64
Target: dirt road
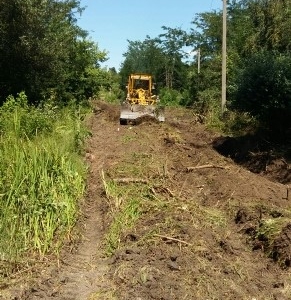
203,227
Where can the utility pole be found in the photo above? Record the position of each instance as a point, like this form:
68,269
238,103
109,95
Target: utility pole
198,59
223,81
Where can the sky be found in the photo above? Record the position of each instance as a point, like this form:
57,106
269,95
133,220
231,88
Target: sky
111,23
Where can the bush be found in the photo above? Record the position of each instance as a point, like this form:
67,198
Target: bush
19,119
170,97
111,95
264,89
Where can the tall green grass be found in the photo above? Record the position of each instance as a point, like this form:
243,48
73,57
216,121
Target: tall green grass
42,178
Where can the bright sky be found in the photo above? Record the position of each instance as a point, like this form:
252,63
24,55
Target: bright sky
110,23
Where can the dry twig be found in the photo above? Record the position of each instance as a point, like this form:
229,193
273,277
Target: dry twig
205,167
130,180
162,189
172,239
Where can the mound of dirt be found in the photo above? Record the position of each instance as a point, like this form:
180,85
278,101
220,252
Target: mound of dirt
167,216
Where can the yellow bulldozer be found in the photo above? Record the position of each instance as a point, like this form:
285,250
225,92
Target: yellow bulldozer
140,100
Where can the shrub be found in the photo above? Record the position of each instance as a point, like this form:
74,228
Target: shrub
170,97
264,89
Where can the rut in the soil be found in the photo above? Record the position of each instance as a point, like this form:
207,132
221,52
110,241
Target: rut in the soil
82,268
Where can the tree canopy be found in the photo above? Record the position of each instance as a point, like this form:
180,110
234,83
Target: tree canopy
42,50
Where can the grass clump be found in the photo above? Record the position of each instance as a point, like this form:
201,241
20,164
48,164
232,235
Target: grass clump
124,219
42,178
273,234
125,208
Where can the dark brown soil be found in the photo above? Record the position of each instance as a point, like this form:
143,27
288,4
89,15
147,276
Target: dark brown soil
209,229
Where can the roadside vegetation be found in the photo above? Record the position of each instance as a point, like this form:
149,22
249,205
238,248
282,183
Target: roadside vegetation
42,179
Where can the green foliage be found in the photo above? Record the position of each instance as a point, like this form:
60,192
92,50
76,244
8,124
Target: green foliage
112,95
43,51
40,202
170,97
106,85
207,33
264,88
271,25
258,63
20,120
237,123
269,232
13,103
142,57
171,43
124,208
124,219
161,57
42,178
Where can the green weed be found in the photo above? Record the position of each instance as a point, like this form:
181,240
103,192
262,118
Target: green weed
128,138
124,219
125,209
42,178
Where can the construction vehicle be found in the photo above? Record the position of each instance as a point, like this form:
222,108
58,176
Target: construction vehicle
140,100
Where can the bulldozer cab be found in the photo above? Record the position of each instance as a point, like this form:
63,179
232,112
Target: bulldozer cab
141,84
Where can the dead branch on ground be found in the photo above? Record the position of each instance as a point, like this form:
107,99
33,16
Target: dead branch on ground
162,189
172,239
130,180
205,167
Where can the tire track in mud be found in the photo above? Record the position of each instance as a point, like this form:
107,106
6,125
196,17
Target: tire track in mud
81,273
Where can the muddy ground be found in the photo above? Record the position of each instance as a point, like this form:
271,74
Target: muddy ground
211,218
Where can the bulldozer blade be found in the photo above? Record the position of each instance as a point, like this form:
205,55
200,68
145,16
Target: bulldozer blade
136,111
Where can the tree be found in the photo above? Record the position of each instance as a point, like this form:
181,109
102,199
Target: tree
172,42
207,36
42,49
261,80
142,57
272,24
161,56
